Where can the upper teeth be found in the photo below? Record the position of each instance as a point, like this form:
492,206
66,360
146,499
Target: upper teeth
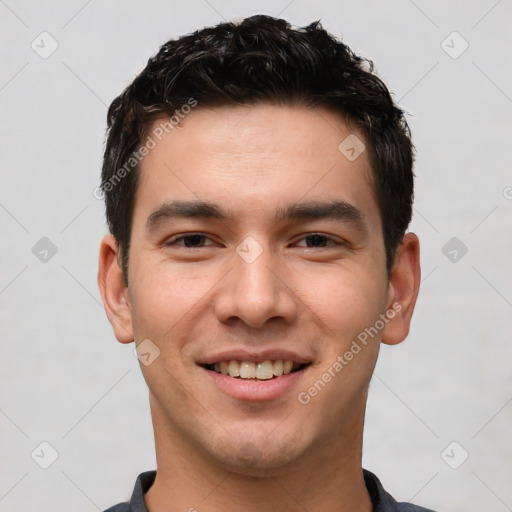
250,370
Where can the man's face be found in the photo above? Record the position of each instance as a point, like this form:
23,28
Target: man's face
271,277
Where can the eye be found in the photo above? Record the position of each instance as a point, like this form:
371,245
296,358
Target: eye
192,240
198,240
317,240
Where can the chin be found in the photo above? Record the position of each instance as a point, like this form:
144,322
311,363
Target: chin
260,456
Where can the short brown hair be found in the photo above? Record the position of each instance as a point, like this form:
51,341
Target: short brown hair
260,59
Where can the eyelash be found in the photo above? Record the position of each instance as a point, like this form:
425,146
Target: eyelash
173,241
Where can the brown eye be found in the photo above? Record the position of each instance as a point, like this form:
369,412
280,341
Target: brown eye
317,240
192,241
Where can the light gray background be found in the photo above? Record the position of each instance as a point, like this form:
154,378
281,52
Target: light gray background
64,378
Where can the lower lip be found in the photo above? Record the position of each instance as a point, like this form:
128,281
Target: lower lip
253,389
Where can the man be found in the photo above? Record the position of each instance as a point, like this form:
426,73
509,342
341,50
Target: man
258,184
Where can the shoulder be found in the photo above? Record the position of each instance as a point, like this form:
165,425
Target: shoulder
383,501
136,504
120,507
409,507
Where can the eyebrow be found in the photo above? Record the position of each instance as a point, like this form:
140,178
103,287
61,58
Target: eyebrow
310,210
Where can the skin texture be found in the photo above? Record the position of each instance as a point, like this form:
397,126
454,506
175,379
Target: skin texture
216,452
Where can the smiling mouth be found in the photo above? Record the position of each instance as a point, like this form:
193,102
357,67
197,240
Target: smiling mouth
264,370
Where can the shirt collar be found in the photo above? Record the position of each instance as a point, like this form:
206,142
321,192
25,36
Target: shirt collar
382,501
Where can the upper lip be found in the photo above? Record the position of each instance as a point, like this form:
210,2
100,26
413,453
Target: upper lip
254,356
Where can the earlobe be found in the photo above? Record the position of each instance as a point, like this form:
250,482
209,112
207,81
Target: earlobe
404,284
113,290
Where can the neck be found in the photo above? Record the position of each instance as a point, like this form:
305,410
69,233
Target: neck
330,478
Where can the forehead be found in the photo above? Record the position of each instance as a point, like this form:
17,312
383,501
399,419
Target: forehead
251,156
264,129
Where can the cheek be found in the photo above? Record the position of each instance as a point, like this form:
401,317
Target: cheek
348,305
345,301
163,296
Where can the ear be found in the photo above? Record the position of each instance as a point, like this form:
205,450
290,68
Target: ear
403,288
114,291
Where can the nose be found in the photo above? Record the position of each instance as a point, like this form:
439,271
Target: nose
256,292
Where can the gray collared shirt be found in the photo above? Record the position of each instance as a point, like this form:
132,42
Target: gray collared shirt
382,501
